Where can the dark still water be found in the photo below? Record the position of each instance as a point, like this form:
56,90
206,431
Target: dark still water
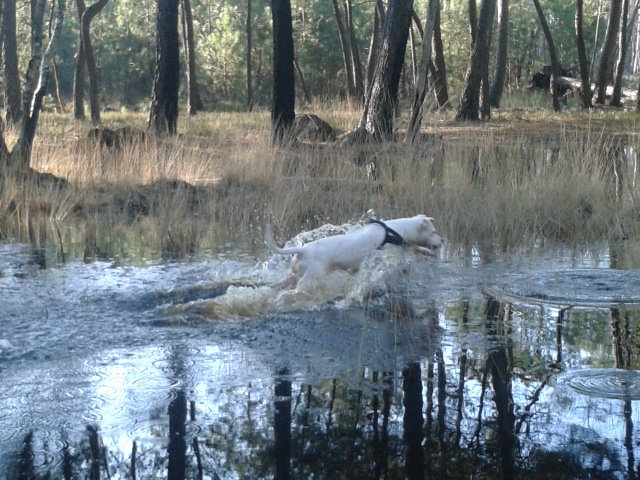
467,366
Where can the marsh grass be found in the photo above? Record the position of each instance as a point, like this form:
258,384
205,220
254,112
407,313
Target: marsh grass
508,183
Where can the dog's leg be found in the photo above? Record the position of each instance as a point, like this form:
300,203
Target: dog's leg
288,283
425,250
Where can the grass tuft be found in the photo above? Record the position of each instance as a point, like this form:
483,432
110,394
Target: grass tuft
520,180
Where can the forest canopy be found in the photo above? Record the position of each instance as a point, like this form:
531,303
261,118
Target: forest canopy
123,37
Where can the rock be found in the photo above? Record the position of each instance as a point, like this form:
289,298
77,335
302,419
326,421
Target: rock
313,128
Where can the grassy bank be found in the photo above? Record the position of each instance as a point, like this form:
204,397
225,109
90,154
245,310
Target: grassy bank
521,179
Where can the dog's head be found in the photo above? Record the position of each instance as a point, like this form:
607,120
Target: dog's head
422,232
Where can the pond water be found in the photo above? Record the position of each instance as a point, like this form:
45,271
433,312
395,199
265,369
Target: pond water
470,365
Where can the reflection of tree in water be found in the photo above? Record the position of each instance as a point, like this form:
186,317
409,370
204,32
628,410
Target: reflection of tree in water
371,435
446,414
282,426
500,365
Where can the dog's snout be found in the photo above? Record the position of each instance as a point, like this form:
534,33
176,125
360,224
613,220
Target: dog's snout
437,241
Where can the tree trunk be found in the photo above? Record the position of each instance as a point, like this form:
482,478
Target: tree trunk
422,81
354,52
638,99
346,55
440,69
20,156
473,21
582,57
163,115
11,72
54,70
469,108
596,35
303,84
416,22
622,52
195,102
634,36
377,117
249,32
485,106
374,44
414,60
608,50
94,89
283,106
2,30
56,80
33,69
555,65
78,71
4,151
497,85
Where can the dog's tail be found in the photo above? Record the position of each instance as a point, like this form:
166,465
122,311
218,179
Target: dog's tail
271,243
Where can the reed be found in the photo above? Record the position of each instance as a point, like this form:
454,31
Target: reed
509,183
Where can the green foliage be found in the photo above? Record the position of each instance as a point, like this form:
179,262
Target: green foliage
455,24
318,52
124,43
125,48
560,15
222,50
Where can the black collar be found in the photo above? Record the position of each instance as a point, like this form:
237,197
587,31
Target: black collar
390,235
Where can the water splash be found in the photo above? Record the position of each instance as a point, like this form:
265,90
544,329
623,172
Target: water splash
256,295
246,301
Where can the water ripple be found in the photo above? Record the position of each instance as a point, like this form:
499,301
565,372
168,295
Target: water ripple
608,383
599,288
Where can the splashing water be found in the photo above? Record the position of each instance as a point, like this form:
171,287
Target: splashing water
257,296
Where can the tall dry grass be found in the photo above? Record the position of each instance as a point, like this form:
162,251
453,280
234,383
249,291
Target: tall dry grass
215,185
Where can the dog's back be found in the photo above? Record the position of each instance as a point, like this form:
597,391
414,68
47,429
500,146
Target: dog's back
346,252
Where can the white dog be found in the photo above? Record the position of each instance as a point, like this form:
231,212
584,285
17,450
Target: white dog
347,251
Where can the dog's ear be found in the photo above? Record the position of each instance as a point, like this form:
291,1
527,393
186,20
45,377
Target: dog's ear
425,220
